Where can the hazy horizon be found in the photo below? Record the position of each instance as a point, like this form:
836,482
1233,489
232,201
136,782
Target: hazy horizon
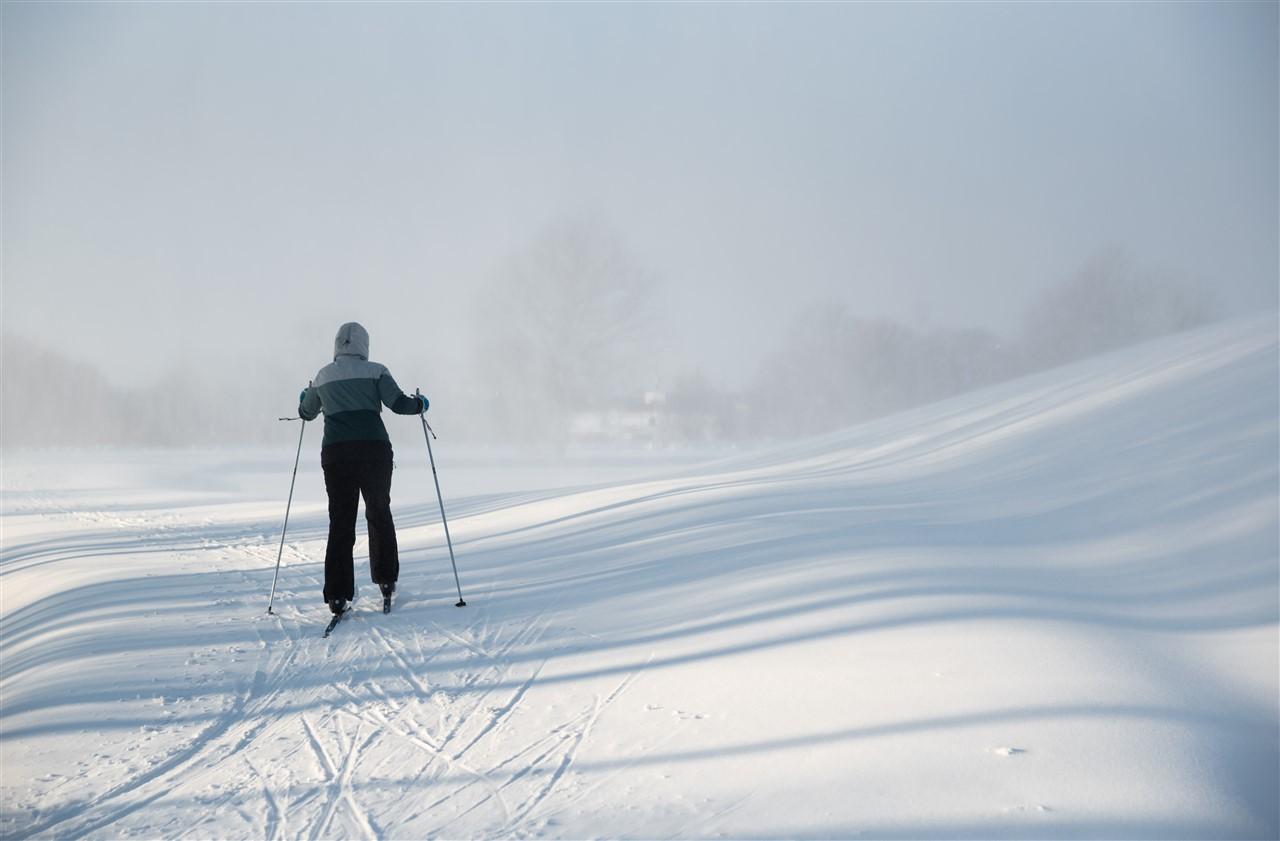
213,187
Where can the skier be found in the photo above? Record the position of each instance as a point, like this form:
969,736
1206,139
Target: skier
356,458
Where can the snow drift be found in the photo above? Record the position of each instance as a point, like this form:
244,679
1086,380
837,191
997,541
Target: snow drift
1046,609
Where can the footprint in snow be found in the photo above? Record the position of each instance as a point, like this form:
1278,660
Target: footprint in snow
1038,807
686,716
680,714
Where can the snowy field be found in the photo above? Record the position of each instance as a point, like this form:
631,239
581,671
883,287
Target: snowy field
1047,609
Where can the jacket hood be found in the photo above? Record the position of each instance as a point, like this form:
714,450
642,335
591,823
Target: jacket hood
352,340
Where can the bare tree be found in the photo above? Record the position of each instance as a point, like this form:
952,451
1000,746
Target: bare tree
1109,303
560,328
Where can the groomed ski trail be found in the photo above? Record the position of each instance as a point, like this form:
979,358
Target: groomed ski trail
1045,609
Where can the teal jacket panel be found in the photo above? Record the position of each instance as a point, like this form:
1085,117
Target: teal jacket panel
350,392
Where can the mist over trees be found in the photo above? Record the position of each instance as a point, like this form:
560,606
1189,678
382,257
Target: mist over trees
561,328
49,400
1109,303
833,368
564,334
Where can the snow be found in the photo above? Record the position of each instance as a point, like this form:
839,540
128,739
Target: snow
1046,609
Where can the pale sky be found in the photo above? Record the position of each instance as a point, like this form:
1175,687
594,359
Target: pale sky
217,184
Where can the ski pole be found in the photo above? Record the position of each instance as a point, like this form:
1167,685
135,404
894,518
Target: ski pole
287,506
426,427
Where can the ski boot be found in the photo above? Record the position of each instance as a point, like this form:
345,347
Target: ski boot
338,607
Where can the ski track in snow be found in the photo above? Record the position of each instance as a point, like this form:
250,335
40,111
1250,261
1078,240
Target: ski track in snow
291,806
732,651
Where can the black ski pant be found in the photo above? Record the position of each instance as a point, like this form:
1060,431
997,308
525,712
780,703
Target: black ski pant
352,469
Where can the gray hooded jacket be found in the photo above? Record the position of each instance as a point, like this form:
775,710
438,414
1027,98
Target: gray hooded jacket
351,392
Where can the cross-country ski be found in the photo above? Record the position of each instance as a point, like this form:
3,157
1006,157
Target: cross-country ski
333,621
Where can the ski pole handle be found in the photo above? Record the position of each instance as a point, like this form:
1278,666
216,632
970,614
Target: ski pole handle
417,392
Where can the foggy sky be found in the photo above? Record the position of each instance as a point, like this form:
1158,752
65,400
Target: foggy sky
219,185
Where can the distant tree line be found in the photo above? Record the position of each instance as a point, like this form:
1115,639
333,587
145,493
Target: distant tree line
49,400
567,326
833,368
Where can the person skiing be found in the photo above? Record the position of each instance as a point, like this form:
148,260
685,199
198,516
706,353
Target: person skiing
356,458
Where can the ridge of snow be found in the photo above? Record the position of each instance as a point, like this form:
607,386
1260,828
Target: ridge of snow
1050,608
